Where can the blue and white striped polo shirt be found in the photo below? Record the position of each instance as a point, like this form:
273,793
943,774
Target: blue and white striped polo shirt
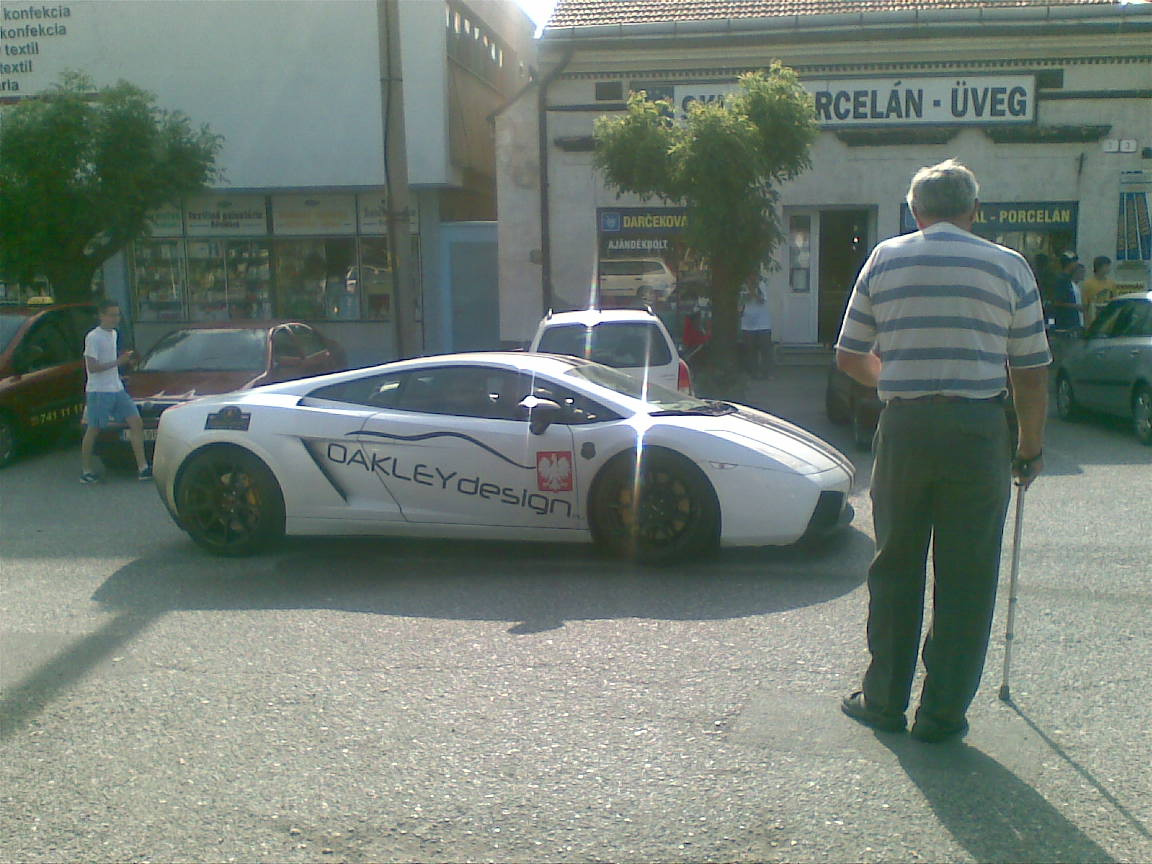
945,310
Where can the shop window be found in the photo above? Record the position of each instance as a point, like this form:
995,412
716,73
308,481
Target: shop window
207,281
375,278
249,280
316,279
158,274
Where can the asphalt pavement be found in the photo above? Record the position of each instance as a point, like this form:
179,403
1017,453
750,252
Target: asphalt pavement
386,700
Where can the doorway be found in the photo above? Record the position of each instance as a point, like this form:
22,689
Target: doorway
844,248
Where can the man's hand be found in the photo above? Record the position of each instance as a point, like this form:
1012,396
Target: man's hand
126,358
1025,470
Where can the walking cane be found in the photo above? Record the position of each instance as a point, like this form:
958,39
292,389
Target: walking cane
1005,693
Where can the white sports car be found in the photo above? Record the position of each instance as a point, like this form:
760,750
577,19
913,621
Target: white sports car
495,445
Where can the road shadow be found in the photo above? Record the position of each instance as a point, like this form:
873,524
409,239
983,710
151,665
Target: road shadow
532,588
987,809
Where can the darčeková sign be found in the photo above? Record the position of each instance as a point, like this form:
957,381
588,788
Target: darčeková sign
906,101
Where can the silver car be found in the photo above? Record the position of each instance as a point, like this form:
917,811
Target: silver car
1109,368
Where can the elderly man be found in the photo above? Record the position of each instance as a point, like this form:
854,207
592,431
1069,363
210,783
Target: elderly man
936,321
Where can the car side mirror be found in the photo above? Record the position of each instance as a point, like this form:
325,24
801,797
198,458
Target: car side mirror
542,413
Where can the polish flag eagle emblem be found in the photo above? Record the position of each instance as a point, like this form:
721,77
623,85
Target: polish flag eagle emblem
554,470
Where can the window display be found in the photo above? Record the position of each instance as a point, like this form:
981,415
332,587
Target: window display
375,278
159,276
207,283
249,280
317,279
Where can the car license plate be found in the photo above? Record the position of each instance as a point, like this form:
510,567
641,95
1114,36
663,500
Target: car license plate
149,435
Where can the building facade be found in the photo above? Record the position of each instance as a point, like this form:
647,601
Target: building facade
296,225
1049,102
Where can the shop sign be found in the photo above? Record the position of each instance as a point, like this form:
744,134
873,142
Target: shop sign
1134,225
226,216
373,210
306,215
167,221
997,218
982,100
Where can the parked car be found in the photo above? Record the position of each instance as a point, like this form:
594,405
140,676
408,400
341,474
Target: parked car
647,279
208,359
505,445
41,371
631,340
1109,368
846,400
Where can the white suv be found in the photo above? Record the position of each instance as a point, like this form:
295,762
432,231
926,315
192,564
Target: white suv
631,340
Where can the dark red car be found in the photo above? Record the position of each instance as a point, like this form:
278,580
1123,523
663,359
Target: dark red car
217,357
41,371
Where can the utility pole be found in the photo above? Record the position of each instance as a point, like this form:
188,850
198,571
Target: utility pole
409,324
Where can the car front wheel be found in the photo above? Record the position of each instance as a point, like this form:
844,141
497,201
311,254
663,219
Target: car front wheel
1142,414
229,501
666,510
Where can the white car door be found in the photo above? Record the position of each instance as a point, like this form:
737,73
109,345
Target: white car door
456,452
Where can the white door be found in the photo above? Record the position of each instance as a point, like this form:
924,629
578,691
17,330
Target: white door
455,452
798,298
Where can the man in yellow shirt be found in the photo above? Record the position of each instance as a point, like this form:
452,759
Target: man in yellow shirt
1098,288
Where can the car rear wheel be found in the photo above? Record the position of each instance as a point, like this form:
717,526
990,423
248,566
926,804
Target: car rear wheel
833,407
862,431
8,440
229,501
1142,414
1066,407
666,510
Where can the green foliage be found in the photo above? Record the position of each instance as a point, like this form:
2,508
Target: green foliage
724,164
79,170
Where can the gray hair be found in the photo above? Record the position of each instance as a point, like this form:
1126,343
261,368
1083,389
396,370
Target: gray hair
943,191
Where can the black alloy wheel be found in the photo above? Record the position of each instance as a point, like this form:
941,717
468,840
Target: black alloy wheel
665,511
229,501
862,432
1066,407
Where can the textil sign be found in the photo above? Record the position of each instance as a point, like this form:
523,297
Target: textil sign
938,101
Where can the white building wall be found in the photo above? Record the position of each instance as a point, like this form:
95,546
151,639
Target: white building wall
292,86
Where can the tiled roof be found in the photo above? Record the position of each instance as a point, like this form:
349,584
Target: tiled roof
584,13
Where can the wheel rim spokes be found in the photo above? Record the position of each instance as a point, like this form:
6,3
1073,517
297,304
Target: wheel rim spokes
660,513
223,503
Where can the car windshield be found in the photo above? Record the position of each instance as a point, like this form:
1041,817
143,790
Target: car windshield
665,400
620,344
224,350
9,325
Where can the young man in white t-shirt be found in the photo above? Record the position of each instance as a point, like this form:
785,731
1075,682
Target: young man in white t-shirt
107,402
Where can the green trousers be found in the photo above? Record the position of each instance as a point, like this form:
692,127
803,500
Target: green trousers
942,476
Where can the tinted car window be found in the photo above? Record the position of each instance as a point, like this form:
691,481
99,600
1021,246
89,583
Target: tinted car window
465,391
9,326
47,343
208,351
578,408
377,391
613,343
626,385
1135,320
309,339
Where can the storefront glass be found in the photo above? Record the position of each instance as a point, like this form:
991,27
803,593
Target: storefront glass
375,278
316,279
158,273
207,281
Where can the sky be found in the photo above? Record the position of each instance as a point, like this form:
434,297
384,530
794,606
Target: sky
537,9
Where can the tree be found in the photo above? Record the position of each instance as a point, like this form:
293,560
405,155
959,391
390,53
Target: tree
723,163
79,170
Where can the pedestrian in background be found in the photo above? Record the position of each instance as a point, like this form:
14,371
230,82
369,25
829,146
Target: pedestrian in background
934,319
1065,307
1098,289
107,401
756,331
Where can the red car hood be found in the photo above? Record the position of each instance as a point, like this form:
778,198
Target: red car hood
182,386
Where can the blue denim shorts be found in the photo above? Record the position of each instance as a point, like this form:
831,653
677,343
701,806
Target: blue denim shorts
106,408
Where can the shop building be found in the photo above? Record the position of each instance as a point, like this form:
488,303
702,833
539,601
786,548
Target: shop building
296,225
1048,101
